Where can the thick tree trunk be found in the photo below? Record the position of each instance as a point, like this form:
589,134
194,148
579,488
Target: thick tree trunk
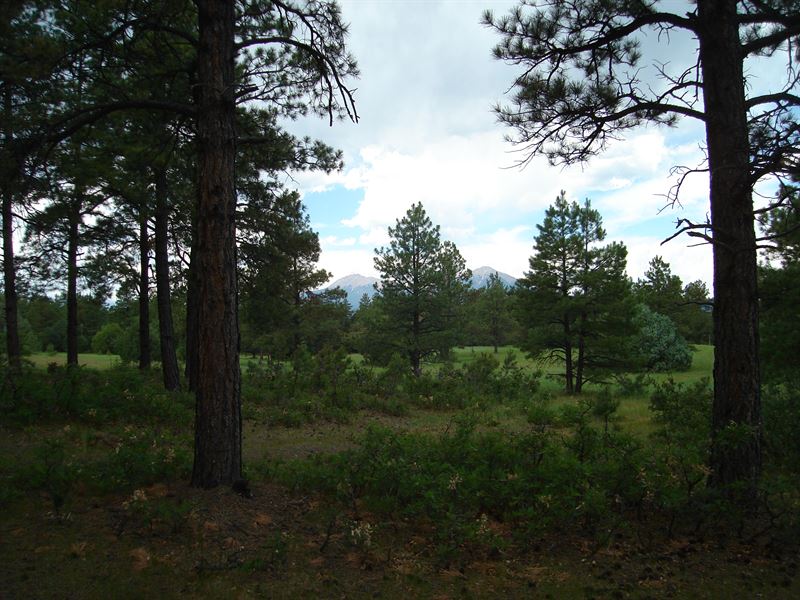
144,288
735,456
218,424
72,282
13,347
169,358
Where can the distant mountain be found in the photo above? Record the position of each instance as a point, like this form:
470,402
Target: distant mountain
480,277
355,286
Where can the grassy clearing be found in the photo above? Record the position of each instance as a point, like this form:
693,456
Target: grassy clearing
92,361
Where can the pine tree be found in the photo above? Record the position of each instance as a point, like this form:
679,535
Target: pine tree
493,308
423,285
575,301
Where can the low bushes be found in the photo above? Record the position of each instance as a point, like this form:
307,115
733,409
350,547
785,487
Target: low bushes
330,386
571,471
119,394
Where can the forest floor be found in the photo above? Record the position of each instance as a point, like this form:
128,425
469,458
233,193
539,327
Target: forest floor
166,539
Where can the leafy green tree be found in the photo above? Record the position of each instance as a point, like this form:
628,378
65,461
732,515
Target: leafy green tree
423,284
658,344
583,84
110,339
575,301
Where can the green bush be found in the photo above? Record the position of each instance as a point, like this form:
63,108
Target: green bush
121,394
781,407
532,482
658,344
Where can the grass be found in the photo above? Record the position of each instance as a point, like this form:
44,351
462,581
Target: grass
93,361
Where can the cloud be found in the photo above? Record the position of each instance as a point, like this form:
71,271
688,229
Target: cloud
689,263
506,250
341,262
333,241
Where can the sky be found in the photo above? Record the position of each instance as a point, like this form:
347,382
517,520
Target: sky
427,134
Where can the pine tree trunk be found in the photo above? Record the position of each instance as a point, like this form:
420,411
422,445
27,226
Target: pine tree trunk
144,288
218,424
568,367
169,358
13,347
415,353
72,282
737,401
579,371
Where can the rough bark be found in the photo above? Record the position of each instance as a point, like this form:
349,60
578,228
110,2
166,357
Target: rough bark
218,425
144,288
13,347
169,358
737,403
72,281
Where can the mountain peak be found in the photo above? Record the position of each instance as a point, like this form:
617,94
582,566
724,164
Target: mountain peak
354,280
355,286
481,275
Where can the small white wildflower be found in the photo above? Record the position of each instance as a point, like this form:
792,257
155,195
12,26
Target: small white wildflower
454,481
483,524
361,534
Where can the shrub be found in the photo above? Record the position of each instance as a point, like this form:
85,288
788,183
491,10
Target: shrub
658,344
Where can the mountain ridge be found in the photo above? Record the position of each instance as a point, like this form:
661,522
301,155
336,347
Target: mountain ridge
356,285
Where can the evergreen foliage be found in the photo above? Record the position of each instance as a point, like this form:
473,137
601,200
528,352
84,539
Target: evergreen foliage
423,286
658,344
575,301
779,290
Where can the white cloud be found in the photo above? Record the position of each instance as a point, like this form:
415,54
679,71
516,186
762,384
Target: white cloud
689,263
427,135
341,262
331,241
506,250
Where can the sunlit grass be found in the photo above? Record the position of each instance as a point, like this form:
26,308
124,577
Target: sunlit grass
93,361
